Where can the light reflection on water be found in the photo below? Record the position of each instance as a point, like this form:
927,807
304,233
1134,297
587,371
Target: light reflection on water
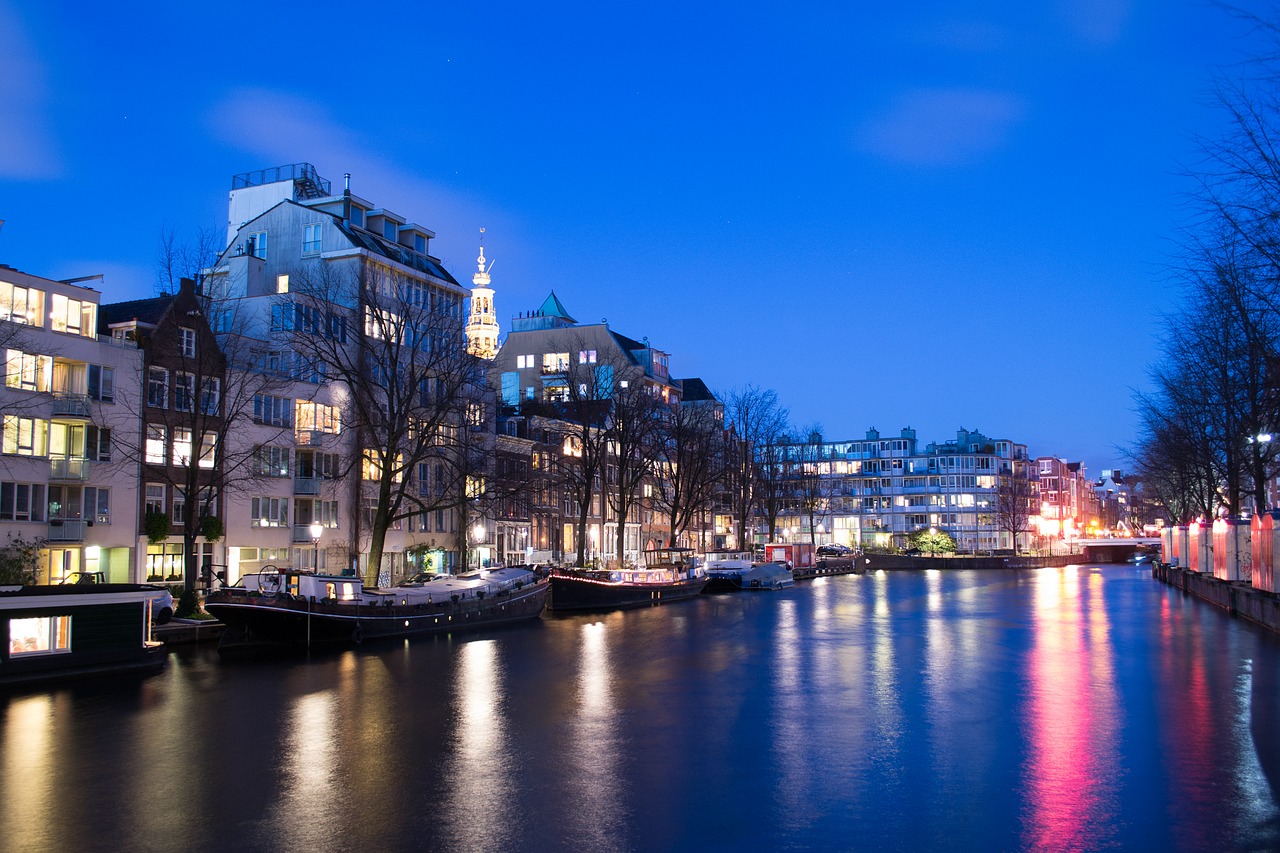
1057,709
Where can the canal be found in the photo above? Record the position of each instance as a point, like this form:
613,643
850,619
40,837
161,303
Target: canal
1057,709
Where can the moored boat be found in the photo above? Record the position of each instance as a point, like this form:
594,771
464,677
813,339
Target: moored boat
60,632
295,608
669,574
731,571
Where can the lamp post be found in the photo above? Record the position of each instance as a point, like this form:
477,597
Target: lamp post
477,536
316,529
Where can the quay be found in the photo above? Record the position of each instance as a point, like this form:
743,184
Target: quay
1239,598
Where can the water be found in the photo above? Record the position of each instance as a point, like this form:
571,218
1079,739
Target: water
1059,709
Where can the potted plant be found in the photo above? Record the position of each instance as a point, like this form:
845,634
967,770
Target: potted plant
156,526
211,528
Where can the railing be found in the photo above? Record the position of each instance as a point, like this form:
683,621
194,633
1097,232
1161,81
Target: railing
66,530
303,172
75,405
306,485
302,533
62,468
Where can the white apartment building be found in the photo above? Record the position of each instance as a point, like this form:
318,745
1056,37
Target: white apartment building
68,402
286,223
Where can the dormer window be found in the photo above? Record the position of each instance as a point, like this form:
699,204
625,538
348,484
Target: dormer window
357,216
389,230
419,244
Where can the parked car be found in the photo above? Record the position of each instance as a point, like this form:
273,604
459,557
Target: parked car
161,598
834,549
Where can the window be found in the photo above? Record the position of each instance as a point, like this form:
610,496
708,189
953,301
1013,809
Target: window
184,392
419,244
309,510
310,239
269,512
276,411
258,244
97,444
272,461
208,450
154,498
389,229
39,635
187,341
102,383
22,501
97,504
179,506
210,396
24,305
555,362
74,316
25,436
337,328
155,444
282,284
587,356
28,372
317,417
181,446
157,388
357,216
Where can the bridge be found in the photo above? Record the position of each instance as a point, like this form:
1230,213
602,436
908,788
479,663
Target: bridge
1115,550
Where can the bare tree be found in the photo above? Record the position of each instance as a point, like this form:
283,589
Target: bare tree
1015,502
417,401
806,482
690,465
757,420
633,434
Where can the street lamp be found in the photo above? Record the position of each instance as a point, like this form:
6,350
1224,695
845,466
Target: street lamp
316,529
477,536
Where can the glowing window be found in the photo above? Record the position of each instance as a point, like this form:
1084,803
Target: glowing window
39,635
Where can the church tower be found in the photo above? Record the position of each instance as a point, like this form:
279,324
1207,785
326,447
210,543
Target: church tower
482,325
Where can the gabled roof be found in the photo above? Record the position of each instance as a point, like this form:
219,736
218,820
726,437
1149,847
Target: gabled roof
553,307
148,311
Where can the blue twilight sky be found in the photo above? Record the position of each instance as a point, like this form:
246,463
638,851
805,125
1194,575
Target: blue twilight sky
933,214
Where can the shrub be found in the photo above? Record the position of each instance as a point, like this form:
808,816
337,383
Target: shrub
19,560
188,605
156,526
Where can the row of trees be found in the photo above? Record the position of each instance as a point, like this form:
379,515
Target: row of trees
1205,427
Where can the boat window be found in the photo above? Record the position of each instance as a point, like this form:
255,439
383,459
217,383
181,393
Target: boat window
39,635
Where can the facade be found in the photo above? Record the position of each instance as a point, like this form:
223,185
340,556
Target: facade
877,491
68,411
547,361
290,238
1069,506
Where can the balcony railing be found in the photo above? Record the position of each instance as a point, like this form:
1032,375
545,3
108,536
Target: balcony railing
66,530
306,485
302,533
70,405
62,468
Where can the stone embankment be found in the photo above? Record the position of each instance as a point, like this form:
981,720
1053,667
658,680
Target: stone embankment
1238,598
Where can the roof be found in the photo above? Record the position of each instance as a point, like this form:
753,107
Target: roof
694,390
401,254
148,311
553,307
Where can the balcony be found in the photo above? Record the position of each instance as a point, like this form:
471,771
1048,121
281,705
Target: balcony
66,530
306,485
66,404
302,533
65,468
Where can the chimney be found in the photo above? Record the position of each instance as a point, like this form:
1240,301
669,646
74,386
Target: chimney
346,199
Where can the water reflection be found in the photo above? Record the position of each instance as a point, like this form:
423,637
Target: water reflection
480,797
29,776
1072,718
594,784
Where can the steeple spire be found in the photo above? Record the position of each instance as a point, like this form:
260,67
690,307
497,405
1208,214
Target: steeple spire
482,324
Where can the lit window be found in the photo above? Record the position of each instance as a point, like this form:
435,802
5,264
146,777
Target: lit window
28,372
39,635
208,450
155,444
73,316
24,305
181,445
25,436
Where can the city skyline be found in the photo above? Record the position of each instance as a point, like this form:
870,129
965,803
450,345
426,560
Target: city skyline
918,218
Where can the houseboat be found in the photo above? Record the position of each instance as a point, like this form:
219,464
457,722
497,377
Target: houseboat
669,574
70,631
731,571
283,608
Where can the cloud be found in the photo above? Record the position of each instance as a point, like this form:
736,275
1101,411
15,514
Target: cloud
27,146
942,127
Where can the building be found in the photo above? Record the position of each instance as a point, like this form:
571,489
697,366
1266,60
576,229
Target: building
877,491
70,410
345,304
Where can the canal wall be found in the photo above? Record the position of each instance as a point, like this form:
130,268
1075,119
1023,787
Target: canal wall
898,561
1236,597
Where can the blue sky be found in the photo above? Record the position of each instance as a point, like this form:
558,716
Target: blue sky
937,216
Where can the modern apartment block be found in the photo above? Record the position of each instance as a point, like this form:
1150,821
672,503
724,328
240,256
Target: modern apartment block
879,490
69,404
304,261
